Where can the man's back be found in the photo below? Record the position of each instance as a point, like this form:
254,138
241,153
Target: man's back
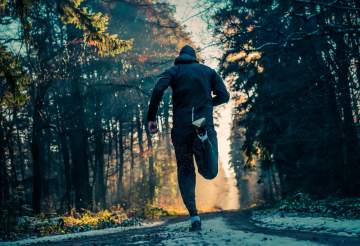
192,84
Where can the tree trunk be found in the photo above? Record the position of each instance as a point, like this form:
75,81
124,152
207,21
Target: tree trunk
80,169
67,169
132,163
350,147
140,131
152,178
99,166
36,150
79,145
21,154
11,147
167,126
139,126
4,181
120,167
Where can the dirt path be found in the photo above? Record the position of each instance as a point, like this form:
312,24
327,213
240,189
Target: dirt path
220,228
242,221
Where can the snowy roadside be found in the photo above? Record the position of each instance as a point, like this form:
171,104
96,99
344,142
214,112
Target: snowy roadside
280,220
92,233
220,228
217,232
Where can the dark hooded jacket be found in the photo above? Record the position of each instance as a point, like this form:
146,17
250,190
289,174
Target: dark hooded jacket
192,87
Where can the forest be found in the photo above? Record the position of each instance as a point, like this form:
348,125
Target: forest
295,66
76,78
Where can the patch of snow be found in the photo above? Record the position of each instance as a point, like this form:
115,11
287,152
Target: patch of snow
216,232
58,238
342,227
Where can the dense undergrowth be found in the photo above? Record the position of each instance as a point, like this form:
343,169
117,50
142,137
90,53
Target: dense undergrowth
336,207
74,221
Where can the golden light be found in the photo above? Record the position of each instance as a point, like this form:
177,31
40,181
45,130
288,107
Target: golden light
236,56
260,69
250,28
253,56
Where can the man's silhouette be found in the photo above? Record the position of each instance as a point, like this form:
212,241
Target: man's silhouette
193,134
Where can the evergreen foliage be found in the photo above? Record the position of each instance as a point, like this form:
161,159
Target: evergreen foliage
295,67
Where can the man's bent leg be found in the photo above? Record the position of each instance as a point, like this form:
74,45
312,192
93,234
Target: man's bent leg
206,154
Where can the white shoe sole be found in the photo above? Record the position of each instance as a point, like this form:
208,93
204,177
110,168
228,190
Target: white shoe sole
199,122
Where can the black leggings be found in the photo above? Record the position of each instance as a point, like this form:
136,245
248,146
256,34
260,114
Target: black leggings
187,145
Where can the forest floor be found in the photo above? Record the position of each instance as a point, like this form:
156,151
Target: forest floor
219,228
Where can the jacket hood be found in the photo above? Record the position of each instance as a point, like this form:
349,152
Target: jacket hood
187,55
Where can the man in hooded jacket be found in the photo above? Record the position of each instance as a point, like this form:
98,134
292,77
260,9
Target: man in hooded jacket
196,89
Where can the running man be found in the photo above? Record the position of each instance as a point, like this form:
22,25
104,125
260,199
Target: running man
196,89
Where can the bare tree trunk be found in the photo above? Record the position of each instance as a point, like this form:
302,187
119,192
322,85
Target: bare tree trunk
21,154
36,149
110,157
67,169
4,181
142,154
67,201
152,178
132,163
140,131
11,147
350,147
120,167
79,145
167,126
99,163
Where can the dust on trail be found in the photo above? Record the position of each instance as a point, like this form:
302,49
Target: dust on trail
217,194
213,195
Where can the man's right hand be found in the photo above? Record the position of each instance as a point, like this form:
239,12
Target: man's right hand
152,126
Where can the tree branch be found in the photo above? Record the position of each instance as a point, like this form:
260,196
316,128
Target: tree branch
329,5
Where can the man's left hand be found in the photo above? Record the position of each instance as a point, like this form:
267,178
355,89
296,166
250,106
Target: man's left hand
152,126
